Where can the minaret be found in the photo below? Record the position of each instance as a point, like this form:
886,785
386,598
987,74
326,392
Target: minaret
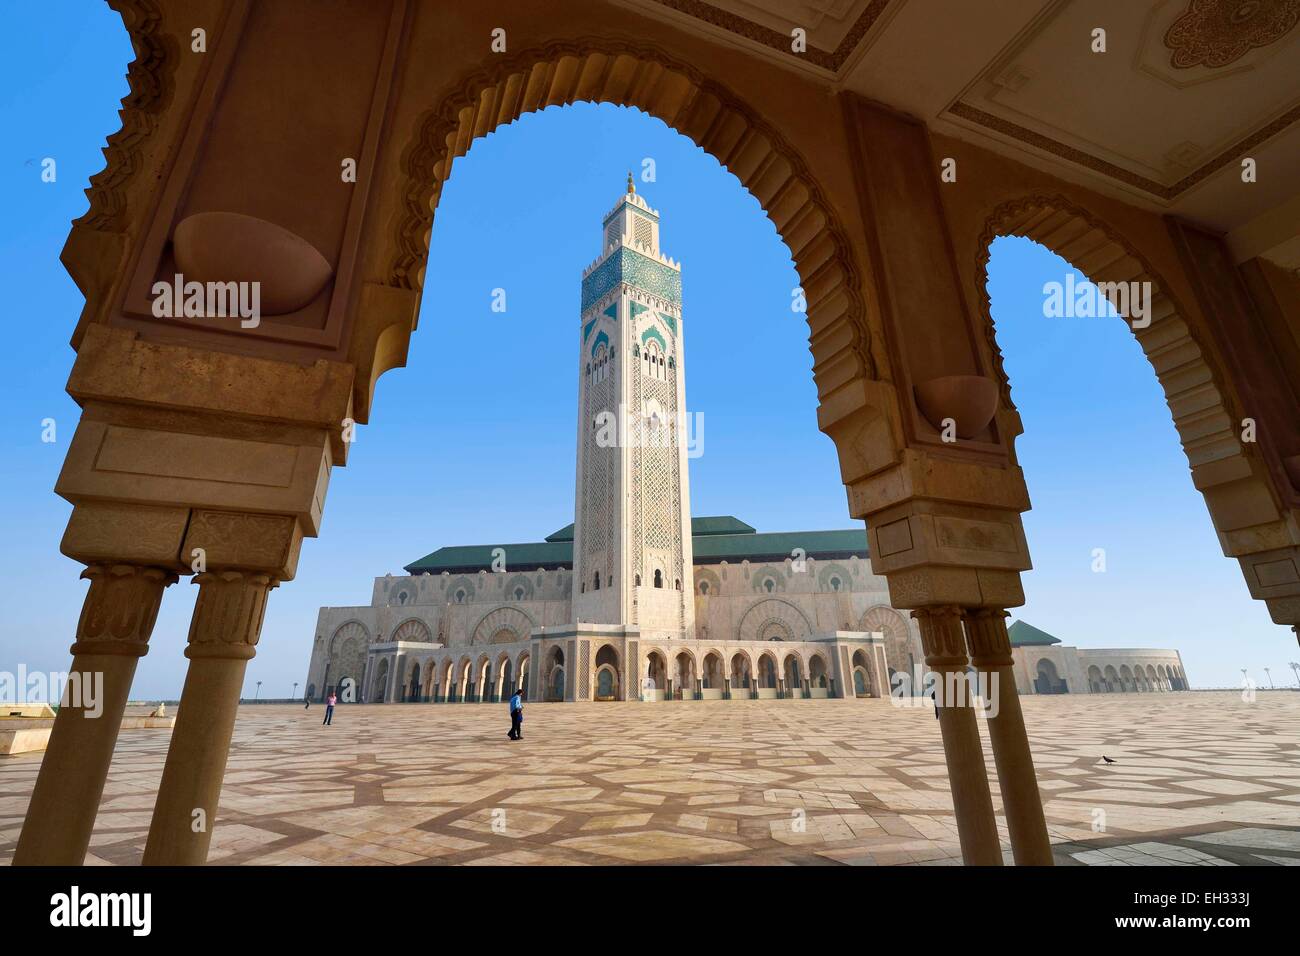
632,543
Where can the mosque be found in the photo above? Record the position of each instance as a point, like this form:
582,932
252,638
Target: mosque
637,599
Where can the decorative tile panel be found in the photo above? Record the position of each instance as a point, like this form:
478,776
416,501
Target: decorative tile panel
627,265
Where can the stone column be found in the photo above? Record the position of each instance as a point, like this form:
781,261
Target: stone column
223,634
990,648
117,618
945,655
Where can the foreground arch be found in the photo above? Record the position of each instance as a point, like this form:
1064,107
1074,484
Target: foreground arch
888,266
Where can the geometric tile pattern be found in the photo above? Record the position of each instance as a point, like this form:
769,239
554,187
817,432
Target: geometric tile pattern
1199,778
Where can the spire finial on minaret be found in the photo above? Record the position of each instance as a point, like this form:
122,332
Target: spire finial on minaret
631,187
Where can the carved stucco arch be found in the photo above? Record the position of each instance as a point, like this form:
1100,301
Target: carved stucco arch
628,72
1203,411
499,619
773,609
729,659
798,656
679,651
347,652
348,629
777,669
413,629
827,663
598,646
151,84
885,620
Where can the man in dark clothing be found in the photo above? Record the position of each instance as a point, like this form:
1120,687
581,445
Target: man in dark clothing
516,716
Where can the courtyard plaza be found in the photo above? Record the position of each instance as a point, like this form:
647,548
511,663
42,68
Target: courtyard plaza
1201,778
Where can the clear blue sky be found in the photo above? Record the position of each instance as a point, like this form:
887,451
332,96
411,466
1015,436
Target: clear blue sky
474,440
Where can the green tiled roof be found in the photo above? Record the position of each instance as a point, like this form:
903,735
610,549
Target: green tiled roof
719,524
468,558
1026,635
779,545
722,524
714,539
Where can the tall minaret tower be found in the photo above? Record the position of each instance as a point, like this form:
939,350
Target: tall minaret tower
632,562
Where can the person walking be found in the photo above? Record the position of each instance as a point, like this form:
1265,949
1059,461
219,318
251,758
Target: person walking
516,715
330,701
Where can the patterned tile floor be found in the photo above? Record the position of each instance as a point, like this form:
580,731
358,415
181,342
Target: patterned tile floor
1199,778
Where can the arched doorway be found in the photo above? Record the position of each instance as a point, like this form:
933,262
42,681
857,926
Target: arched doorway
818,677
1114,684
1096,683
505,681
524,667
379,685
654,684
861,675
607,669
742,678
464,687
554,673
1048,680
684,676
793,677
768,679
712,682
445,690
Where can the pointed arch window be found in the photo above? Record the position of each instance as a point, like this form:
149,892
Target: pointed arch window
659,578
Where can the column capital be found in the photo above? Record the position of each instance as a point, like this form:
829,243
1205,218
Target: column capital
120,609
986,634
941,636
228,613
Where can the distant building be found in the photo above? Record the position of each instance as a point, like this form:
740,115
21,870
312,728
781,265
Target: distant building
1043,665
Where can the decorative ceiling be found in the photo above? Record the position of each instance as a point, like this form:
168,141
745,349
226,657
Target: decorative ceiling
1183,91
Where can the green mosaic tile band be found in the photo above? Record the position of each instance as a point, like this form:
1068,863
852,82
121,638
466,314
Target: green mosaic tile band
627,265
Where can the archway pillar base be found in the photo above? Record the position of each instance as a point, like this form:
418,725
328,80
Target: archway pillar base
945,655
117,619
990,650
247,555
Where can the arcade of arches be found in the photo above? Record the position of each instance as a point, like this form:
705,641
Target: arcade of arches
200,433
582,664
